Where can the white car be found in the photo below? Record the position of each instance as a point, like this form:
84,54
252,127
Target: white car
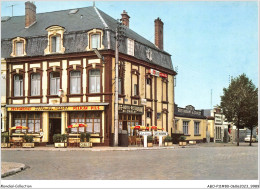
247,139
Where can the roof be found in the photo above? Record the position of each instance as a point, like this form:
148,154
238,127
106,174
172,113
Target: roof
83,20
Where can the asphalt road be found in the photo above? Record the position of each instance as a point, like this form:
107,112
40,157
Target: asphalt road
198,163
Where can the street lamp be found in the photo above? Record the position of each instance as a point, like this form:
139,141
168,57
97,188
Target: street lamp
99,55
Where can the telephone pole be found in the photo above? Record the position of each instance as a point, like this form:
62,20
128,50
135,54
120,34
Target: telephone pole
119,37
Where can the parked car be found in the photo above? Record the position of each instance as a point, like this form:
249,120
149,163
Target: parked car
247,139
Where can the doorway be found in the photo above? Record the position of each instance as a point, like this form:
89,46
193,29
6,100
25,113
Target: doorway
55,128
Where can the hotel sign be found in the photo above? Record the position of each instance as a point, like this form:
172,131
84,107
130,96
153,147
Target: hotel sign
130,109
57,108
157,73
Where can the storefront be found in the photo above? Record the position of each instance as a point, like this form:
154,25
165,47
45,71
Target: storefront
129,115
43,121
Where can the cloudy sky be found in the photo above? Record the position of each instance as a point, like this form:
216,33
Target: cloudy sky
208,41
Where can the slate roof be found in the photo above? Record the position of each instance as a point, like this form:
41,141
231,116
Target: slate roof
85,19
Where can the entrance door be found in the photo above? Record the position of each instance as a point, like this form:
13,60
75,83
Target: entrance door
55,128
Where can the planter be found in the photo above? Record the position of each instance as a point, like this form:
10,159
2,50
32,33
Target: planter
167,143
149,144
28,145
5,145
192,142
85,144
182,143
60,145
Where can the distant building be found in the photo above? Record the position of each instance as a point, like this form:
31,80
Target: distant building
191,123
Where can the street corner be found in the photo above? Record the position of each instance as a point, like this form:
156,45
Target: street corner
10,168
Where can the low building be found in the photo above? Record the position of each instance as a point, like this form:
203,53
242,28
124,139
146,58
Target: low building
55,78
191,123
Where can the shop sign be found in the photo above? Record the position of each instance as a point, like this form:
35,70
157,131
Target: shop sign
160,133
157,73
130,109
147,133
57,108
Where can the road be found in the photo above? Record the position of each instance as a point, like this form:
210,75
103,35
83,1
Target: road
197,163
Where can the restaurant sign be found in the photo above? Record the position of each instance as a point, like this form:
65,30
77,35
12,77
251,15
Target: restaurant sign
157,73
160,133
57,108
145,133
130,109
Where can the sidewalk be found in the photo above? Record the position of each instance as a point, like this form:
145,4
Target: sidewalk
10,168
96,148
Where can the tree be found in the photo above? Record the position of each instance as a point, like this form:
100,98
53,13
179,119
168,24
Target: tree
240,103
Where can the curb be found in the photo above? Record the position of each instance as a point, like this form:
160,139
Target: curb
13,171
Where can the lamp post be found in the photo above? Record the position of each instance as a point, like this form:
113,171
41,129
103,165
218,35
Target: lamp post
119,37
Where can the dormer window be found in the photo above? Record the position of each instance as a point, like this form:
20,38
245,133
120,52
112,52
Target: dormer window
95,39
55,43
18,47
55,40
130,47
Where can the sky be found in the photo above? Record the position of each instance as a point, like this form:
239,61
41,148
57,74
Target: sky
209,41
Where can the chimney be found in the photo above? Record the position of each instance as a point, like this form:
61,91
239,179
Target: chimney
125,18
158,26
30,14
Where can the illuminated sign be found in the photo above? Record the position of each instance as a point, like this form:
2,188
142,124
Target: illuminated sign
157,73
57,108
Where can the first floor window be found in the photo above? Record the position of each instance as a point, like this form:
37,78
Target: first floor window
31,120
75,82
197,128
119,86
18,85
94,81
135,90
185,127
35,84
54,83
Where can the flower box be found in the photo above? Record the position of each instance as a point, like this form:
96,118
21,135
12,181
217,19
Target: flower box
28,145
182,143
85,144
149,144
60,145
168,143
5,145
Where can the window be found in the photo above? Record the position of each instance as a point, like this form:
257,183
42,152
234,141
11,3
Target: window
34,120
130,47
185,127
55,40
95,41
35,84
119,86
77,118
18,85
196,128
54,83
55,43
148,114
148,81
94,122
135,90
31,120
75,82
19,49
94,81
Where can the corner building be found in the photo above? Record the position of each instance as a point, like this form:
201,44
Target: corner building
55,78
